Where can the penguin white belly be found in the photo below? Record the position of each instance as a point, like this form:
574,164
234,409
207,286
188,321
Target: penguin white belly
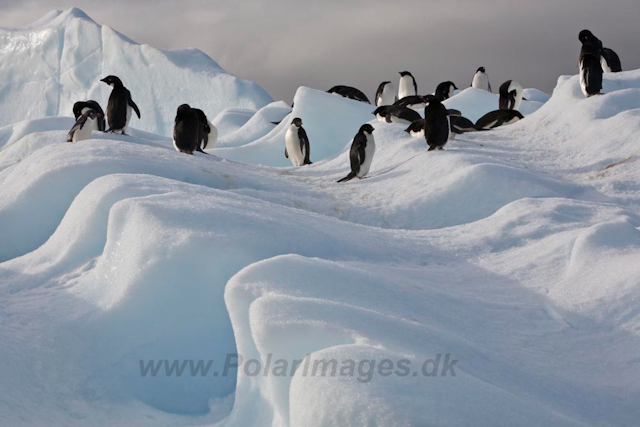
481,81
605,65
583,82
369,151
84,133
406,87
129,114
213,136
292,142
419,134
388,95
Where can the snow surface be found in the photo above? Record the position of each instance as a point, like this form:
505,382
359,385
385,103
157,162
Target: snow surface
514,250
49,65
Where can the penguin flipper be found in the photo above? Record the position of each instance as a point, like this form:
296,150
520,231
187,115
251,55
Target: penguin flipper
304,145
76,127
203,152
134,106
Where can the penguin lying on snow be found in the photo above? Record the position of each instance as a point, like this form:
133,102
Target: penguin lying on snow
81,107
481,80
510,95
119,109
186,130
498,118
407,85
457,125
297,144
413,101
386,94
436,124
445,90
85,124
590,64
208,132
396,114
361,154
349,92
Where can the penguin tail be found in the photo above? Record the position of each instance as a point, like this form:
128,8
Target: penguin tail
201,151
348,177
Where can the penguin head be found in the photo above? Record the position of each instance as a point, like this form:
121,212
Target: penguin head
405,73
112,81
382,110
585,36
481,70
366,128
297,121
430,102
183,111
92,114
445,90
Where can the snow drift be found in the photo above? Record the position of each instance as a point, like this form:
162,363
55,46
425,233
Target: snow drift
513,251
49,65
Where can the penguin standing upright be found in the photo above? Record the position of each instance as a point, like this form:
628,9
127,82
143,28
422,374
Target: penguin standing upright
436,124
186,130
481,80
208,132
361,154
81,107
510,95
445,90
407,85
85,124
297,144
386,94
119,109
590,64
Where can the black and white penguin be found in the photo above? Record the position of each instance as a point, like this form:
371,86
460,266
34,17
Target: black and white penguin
119,109
413,101
436,124
386,94
590,64
416,129
208,132
445,90
407,85
396,114
349,92
297,144
610,61
481,80
510,95
361,154
452,112
85,124
81,107
498,118
457,125
186,130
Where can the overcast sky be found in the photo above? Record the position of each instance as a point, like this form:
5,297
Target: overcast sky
284,44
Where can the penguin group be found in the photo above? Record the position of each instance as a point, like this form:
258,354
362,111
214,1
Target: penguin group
193,131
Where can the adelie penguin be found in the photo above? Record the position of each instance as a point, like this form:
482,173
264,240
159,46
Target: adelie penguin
436,123
445,90
510,95
349,92
407,85
386,94
498,118
457,125
610,61
396,114
120,107
590,64
208,132
187,130
81,107
361,154
481,80
85,125
297,144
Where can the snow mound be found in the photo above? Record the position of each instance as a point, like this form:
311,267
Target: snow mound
330,121
66,54
258,125
475,103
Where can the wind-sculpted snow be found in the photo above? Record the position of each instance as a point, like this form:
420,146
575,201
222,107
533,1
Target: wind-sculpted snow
510,257
47,66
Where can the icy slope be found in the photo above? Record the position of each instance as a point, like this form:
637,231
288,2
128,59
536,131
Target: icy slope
49,65
514,251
